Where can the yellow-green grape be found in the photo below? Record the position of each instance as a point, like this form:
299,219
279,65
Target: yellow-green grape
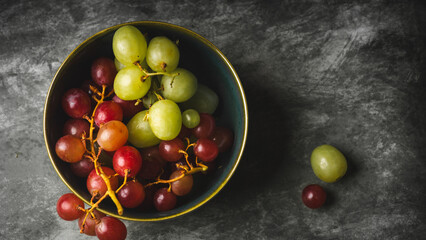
204,100
130,83
328,163
190,118
162,55
180,86
118,65
140,133
165,119
129,45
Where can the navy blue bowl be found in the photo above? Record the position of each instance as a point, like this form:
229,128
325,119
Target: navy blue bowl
197,55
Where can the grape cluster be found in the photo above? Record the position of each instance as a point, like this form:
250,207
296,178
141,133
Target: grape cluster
131,110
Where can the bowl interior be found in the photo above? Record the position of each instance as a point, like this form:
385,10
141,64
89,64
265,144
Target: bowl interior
197,55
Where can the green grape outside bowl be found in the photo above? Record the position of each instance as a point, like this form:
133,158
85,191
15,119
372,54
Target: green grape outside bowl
199,56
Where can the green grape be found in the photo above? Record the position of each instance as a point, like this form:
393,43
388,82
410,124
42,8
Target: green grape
328,163
180,86
190,118
162,55
165,119
140,133
129,45
130,85
118,65
204,100
149,99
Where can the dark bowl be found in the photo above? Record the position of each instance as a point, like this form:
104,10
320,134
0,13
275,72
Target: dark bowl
197,55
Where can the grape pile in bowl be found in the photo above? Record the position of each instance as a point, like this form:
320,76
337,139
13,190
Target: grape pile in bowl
145,121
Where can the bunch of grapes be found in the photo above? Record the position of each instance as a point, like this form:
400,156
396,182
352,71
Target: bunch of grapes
129,110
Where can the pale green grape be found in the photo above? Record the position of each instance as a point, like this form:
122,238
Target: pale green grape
140,133
130,85
149,99
129,45
328,163
118,65
190,118
162,55
180,86
204,100
165,119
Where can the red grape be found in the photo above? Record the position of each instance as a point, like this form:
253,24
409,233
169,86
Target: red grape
164,200
85,86
110,228
131,195
206,149
108,111
206,126
76,127
70,149
67,207
89,225
82,168
76,103
129,107
148,202
314,196
103,71
112,135
152,163
169,150
96,183
223,137
127,157
182,186
184,133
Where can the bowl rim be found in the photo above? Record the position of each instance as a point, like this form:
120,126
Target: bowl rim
186,31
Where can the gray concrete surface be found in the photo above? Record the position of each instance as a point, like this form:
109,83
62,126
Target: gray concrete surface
351,74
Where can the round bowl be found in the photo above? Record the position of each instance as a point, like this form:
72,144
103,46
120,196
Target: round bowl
197,55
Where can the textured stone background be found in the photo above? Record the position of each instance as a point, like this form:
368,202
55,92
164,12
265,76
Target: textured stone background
351,74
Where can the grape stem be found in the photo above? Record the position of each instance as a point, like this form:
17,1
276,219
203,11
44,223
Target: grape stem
94,155
148,74
185,170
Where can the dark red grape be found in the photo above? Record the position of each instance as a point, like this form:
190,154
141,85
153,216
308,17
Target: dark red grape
103,71
76,127
314,196
206,126
70,149
129,107
85,86
164,200
89,225
184,133
169,150
127,157
148,202
82,168
67,207
205,149
131,195
182,186
96,183
110,228
76,103
152,163
223,137
108,111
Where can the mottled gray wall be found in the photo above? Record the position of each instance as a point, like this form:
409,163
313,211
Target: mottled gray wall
351,74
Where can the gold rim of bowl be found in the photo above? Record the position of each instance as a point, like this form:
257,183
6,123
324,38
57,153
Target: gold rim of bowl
200,38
